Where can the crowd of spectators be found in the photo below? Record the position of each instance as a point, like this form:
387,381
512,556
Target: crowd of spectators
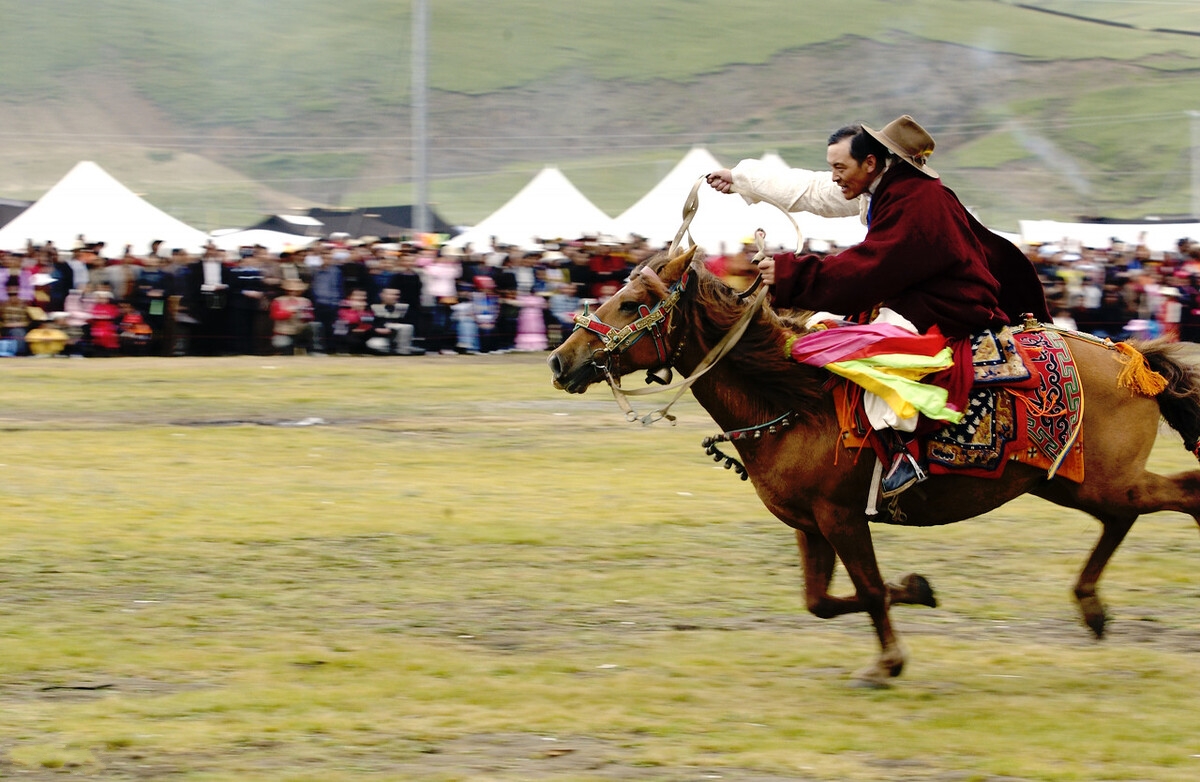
1125,290
342,296
365,296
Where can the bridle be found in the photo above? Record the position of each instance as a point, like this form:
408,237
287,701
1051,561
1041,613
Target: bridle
656,322
653,322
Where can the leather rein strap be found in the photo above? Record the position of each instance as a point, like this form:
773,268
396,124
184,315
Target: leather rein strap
718,352
656,321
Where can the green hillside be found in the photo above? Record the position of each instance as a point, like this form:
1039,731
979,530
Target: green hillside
246,60
222,110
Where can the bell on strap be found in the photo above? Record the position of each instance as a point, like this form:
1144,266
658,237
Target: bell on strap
663,376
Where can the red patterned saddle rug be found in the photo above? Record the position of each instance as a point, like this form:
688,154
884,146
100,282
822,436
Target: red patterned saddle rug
1026,406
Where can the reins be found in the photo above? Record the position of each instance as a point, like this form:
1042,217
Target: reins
658,318
718,352
691,205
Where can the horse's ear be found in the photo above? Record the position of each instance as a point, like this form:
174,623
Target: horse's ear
678,265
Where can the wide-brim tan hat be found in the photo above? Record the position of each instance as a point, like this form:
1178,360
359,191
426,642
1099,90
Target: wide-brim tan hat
911,142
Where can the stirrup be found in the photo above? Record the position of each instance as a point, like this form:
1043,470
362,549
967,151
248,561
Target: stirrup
904,472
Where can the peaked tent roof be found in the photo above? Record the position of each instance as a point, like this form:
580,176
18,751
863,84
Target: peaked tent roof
658,214
722,222
549,207
274,241
774,159
89,201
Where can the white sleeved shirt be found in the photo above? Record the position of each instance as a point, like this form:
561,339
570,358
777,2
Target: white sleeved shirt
800,190
795,189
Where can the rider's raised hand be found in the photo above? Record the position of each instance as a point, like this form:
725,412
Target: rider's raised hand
721,181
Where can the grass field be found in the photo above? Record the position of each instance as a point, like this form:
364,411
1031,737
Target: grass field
441,568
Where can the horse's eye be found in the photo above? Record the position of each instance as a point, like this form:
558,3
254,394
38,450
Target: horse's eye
630,307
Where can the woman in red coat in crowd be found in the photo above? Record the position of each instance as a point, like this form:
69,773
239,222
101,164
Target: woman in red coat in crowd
105,335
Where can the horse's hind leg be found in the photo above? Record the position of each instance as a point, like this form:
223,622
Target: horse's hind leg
1183,494
1117,506
1152,493
1115,528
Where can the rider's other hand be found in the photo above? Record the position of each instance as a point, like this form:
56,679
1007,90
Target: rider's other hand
766,267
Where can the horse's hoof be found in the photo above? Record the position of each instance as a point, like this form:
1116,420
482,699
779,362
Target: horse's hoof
917,586
860,682
877,676
1094,615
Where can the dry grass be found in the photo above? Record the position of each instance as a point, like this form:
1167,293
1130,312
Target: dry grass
462,574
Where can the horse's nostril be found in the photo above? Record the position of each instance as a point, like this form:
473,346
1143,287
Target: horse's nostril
555,365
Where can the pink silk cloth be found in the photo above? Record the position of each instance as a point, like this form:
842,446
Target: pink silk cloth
846,343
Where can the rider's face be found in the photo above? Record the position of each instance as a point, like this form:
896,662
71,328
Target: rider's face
848,174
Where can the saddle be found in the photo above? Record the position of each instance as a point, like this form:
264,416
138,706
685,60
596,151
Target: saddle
1026,405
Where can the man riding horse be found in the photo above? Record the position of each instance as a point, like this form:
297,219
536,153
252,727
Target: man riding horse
926,266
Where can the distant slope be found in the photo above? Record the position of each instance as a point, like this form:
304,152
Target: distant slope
223,110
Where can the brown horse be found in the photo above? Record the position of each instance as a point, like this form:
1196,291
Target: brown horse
683,311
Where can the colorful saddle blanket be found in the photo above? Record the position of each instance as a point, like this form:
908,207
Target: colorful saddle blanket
1026,405
997,359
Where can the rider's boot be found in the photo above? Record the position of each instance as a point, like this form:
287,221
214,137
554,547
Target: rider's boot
903,468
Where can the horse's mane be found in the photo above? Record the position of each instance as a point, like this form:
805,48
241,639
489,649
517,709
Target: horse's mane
760,356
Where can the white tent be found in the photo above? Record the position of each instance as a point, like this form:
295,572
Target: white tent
549,207
658,214
89,201
275,241
1159,237
722,222
773,159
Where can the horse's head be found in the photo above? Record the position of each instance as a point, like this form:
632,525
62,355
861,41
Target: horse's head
631,331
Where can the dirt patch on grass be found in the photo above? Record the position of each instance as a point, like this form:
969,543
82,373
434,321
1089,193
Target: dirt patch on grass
516,756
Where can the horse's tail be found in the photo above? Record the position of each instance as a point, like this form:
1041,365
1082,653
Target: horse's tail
1179,402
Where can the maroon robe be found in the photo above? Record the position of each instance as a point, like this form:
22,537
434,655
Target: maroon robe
925,257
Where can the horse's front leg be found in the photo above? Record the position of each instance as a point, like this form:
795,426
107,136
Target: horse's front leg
850,538
818,559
